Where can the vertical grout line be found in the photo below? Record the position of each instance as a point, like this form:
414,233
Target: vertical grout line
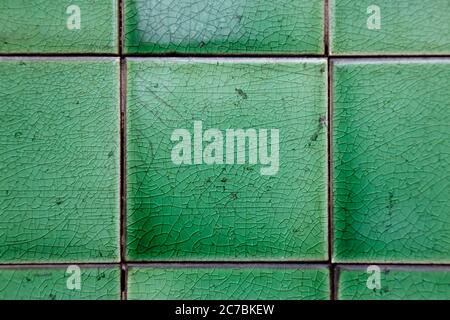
336,275
333,283
124,281
124,169
329,150
330,176
122,98
326,31
120,24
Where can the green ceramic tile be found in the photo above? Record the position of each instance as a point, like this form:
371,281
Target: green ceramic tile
59,142
394,284
59,283
414,27
63,26
213,200
224,27
391,160
224,283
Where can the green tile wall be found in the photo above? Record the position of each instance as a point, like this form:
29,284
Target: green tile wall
222,283
51,283
224,27
44,26
396,284
59,144
226,211
99,99
391,161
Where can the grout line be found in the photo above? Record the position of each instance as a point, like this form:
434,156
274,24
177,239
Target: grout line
222,264
58,55
121,26
123,148
227,262
123,268
333,283
300,264
58,264
399,267
124,281
122,161
393,264
286,55
227,55
330,176
231,56
335,279
326,37
389,56
329,158
243,59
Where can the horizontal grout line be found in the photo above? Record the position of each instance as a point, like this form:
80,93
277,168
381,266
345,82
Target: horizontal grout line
58,265
400,267
286,56
230,264
273,264
389,60
231,56
62,55
153,56
228,60
387,56
390,264
236,261
59,58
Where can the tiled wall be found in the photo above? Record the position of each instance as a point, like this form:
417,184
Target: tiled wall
120,177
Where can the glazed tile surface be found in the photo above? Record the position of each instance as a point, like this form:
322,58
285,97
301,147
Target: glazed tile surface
395,284
391,143
244,283
56,283
224,27
414,27
205,207
43,26
59,182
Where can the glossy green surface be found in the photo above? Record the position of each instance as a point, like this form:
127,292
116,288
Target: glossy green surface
391,140
45,26
55,283
226,211
396,284
222,283
406,27
224,27
59,142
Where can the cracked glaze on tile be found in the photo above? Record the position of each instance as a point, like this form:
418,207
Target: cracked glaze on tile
51,284
222,212
244,283
391,161
59,160
406,27
44,26
396,284
224,27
